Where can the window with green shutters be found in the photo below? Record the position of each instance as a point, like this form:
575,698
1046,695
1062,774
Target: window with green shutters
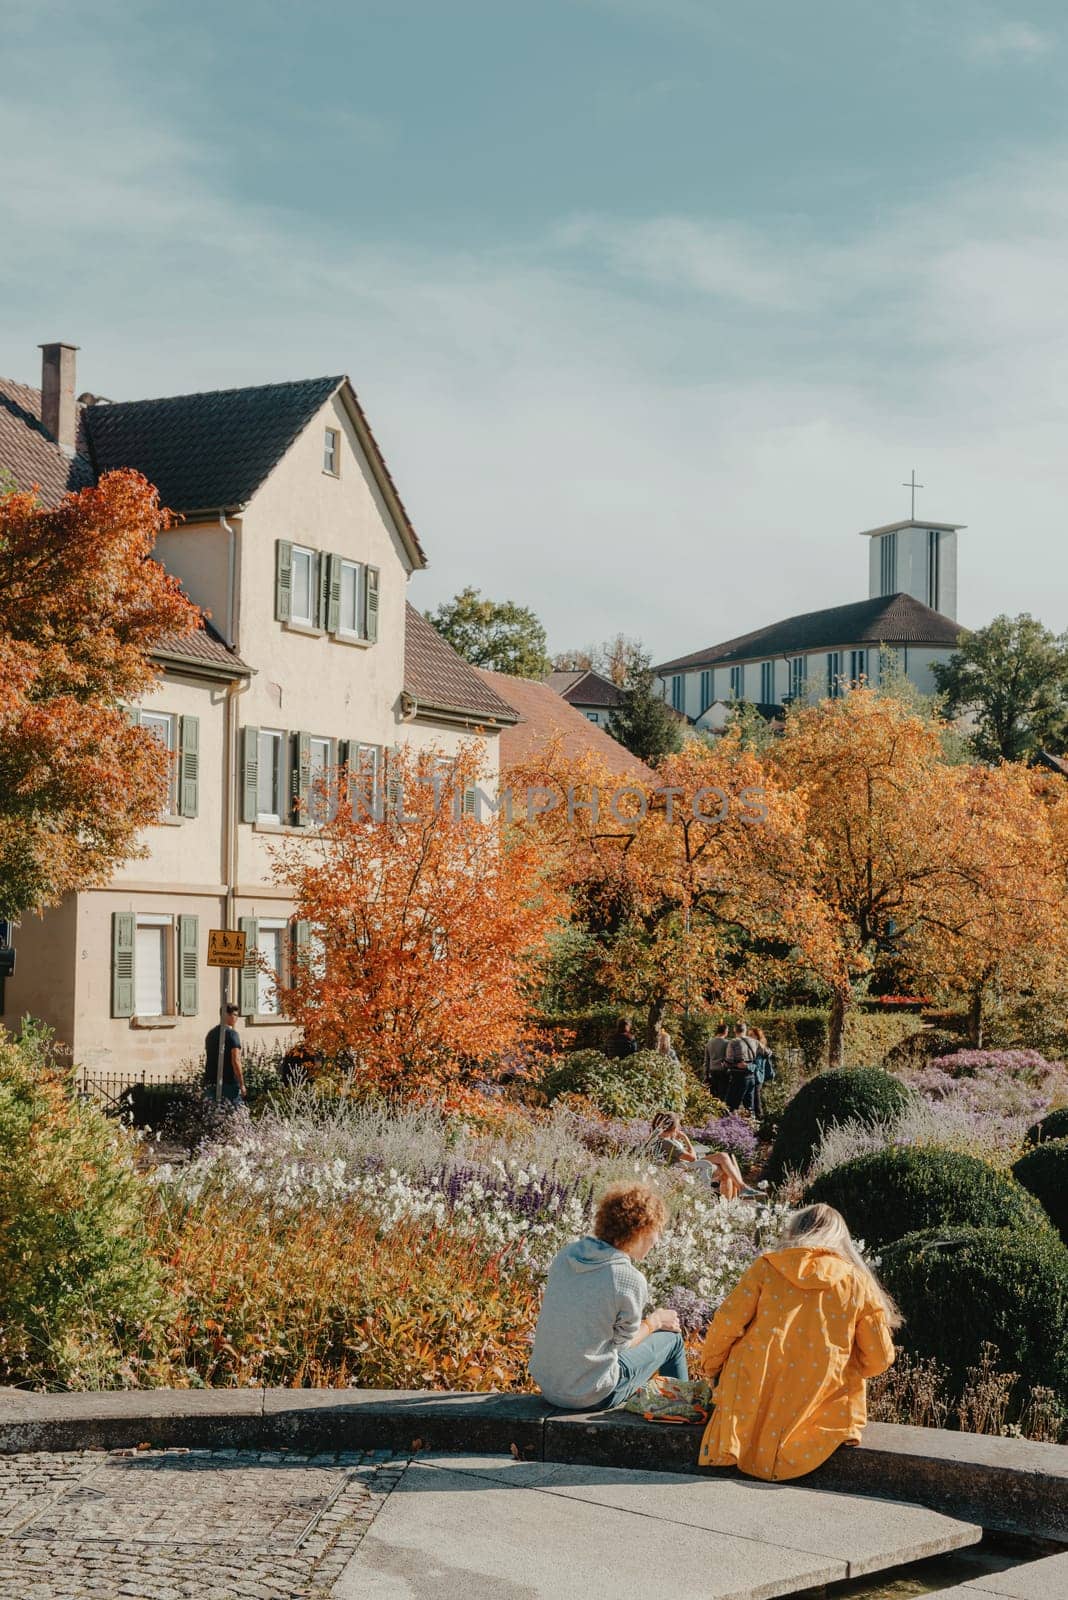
188,966
250,927
283,580
300,788
123,936
370,629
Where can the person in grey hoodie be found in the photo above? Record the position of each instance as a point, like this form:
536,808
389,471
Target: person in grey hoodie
595,1344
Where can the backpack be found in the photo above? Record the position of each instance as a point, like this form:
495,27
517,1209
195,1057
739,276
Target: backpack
764,1066
741,1052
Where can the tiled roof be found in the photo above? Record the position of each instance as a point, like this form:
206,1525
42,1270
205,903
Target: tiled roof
30,453
586,688
886,619
439,679
205,647
545,716
205,452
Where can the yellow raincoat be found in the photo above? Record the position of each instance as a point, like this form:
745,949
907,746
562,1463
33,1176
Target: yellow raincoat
792,1347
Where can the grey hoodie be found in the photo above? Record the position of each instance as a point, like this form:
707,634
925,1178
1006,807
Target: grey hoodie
593,1305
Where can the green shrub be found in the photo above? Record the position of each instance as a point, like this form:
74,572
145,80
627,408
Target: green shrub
905,1189
961,1288
864,1094
591,1029
1044,1173
916,1049
1054,1125
634,1086
78,1281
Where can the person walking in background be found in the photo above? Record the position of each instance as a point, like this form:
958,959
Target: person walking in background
715,1063
664,1046
793,1346
623,1042
595,1344
741,1053
763,1072
233,1082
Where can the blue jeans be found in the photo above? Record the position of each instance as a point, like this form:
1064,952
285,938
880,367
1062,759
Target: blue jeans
661,1352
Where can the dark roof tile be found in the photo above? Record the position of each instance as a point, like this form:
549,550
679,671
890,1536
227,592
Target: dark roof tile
439,679
30,453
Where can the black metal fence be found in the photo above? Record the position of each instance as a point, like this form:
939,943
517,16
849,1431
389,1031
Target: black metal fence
108,1089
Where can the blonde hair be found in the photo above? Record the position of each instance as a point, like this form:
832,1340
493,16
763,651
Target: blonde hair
663,1041
759,1035
821,1227
627,1209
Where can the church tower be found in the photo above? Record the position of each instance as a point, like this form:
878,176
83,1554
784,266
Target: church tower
916,558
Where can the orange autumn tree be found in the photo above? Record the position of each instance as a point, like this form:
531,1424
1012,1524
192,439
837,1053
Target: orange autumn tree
82,605
696,882
426,926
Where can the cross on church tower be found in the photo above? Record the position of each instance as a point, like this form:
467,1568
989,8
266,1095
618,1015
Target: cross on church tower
913,485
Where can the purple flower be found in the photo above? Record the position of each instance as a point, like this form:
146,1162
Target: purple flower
694,1313
731,1133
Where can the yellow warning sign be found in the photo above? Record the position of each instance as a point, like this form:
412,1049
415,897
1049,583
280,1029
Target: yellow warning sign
226,948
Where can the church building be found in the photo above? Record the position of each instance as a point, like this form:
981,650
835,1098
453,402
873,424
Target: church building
909,617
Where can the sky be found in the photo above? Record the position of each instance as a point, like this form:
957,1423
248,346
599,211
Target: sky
653,304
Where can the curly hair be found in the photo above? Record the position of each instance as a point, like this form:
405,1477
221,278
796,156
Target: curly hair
627,1209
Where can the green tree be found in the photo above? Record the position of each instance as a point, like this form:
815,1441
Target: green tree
498,634
1012,676
644,723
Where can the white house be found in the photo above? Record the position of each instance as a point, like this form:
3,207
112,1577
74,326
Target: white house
909,615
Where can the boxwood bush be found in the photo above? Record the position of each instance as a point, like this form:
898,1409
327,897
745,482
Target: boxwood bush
903,1190
1054,1125
863,1094
960,1288
634,1086
1044,1173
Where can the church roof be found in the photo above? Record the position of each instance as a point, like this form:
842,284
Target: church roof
912,522
885,619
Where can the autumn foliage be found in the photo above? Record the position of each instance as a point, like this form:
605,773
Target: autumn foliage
428,926
82,605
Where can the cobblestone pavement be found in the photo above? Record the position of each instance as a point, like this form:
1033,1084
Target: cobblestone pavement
167,1524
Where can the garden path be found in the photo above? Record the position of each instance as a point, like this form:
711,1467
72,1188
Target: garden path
247,1525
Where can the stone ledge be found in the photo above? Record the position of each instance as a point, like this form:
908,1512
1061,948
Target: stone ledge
1011,1485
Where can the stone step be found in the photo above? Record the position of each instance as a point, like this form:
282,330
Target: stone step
1033,1580
494,1528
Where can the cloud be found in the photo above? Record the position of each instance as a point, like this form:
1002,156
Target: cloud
1009,41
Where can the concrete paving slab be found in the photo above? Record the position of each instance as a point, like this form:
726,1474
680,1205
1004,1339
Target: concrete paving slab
445,1535
1033,1580
868,1534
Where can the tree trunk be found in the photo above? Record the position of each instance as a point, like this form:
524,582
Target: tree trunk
657,1009
975,1018
836,1031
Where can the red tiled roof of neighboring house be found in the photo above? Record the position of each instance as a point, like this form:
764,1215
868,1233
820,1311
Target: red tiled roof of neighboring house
1054,763
438,679
885,619
30,453
586,688
544,716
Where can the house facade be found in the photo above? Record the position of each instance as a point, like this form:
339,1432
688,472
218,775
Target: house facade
296,546
908,620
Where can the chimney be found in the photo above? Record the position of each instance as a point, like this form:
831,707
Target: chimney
59,414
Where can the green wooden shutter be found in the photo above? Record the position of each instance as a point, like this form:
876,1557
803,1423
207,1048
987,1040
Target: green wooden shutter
302,942
188,966
123,937
250,773
189,768
333,605
322,611
283,580
250,971
371,602
300,789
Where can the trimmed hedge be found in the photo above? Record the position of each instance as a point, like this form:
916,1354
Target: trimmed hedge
864,1094
961,1288
1054,1125
1044,1173
903,1190
634,1086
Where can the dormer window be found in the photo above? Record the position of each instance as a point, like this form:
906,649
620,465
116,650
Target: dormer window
332,452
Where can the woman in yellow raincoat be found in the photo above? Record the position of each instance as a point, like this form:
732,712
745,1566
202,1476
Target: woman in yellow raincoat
793,1346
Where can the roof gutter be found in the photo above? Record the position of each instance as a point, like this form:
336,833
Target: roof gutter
412,709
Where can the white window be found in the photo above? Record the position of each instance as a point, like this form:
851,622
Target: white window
271,942
165,727
152,964
270,776
320,767
737,682
767,683
304,601
351,616
591,716
332,451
